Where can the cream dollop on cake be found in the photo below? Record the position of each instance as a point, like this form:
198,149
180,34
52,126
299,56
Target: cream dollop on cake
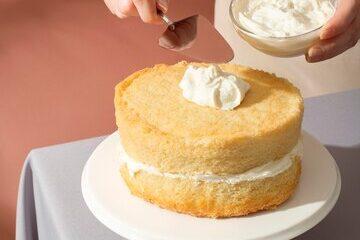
210,86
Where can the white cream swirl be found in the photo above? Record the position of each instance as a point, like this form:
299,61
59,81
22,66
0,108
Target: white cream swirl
269,169
284,18
210,86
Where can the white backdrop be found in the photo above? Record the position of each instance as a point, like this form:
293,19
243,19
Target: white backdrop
338,74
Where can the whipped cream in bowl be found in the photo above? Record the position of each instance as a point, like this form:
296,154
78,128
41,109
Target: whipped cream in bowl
283,28
212,87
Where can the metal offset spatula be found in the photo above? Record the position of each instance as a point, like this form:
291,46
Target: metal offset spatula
196,38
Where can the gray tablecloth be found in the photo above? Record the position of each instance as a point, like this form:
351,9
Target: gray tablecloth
50,204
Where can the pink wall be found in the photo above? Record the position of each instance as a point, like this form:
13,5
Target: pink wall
59,62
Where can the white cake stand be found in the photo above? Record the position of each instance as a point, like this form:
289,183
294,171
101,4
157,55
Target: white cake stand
108,198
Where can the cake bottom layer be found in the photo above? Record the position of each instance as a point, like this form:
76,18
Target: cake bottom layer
214,199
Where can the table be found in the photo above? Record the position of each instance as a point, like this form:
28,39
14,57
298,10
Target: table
50,204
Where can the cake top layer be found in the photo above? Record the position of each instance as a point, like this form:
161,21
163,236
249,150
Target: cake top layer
154,97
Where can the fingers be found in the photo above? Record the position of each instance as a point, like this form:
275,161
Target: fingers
344,15
147,11
163,5
126,8
329,48
121,8
110,4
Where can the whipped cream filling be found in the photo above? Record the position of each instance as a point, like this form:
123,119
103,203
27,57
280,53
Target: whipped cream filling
269,169
284,18
210,86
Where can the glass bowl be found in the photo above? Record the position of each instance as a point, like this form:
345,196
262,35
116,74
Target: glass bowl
276,46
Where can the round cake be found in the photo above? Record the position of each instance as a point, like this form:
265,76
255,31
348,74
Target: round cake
207,161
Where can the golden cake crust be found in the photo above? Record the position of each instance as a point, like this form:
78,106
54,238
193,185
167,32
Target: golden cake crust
159,127
204,199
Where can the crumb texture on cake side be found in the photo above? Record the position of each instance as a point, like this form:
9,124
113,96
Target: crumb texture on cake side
160,128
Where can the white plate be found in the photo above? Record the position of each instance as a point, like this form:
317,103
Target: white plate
110,201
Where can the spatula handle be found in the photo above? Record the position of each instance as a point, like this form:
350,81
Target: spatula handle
161,14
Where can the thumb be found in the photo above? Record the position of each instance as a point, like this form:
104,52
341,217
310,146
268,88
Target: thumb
344,15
